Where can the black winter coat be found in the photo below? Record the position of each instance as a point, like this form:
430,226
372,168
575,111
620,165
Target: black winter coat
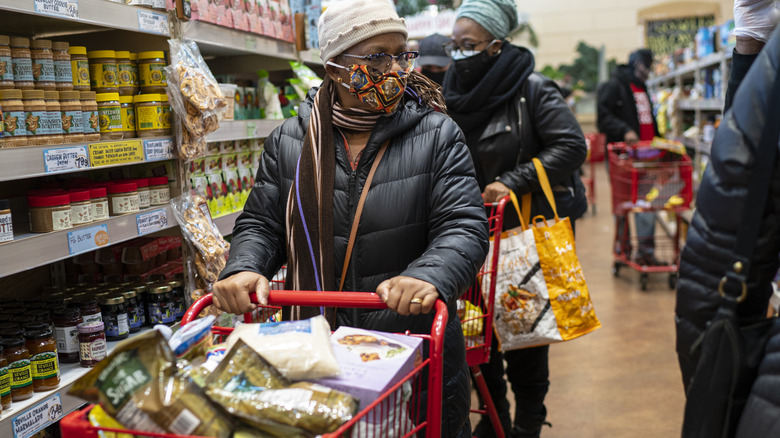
423,218
720,205
616,110
537,123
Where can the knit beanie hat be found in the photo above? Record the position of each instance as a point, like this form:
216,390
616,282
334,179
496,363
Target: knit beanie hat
346,23
498,17
645,56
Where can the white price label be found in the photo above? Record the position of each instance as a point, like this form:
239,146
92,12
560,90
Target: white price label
58,8
251,43
158,149
65,159
153,22
151,222
251,130
33,420
88,239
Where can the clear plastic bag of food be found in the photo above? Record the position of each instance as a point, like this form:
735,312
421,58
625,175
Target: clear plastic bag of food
193,77
188,147
192,214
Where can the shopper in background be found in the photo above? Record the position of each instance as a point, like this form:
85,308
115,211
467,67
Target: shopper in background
423,231
625,114
433,61
510,115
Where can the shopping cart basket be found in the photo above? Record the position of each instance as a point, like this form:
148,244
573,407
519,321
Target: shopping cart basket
596,146
409,418
478,324
648,180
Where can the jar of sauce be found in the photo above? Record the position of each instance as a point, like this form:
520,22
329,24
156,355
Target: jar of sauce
161,305
63,74
5,381
43,65
151,72
51,124
103,71
92,343
21,57
114,312
89,309
43,359
159,191
79,65
123,198
14,131
134,314
18,358
110,114
72,119
140,290
66,320
6,64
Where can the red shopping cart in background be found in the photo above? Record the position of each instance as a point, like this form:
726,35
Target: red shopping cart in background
596,148
645,179
413,418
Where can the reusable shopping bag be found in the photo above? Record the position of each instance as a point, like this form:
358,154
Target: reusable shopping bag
540,295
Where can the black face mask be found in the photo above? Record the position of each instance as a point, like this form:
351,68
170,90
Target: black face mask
469,71
437,77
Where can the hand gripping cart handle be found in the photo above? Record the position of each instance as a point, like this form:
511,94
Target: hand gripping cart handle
421,419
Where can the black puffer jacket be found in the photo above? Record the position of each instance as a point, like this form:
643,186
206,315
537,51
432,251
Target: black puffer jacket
537,123
423,218
720,205
616,108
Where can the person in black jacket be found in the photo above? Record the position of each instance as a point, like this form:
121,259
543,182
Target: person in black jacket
625,114
423,231
510,115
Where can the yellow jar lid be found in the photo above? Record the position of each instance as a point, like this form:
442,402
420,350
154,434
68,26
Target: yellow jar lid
124,54
101,54
106,97
139,98
125,99
133,56
151,55
77,50
10,94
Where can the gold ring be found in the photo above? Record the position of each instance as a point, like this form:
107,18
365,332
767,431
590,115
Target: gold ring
416,301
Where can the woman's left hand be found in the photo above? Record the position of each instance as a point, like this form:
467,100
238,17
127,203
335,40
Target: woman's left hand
495,191
407,295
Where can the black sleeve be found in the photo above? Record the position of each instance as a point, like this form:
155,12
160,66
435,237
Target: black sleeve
562,150
740,64
607,117
258,243
457,224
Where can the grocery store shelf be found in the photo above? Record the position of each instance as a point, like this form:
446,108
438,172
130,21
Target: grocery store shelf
30,250
243,129
700,104
226,223
28,162
216,40
688,69
311,56
69,373
85,16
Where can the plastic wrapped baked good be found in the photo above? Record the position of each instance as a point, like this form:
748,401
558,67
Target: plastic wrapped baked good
191,212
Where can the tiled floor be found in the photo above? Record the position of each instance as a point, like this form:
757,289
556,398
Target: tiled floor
621,381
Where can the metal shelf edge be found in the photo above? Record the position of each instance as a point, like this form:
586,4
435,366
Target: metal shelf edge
226,223
218,40
244,129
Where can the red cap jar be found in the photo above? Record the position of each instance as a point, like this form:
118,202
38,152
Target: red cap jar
159,192
144,200
99,201
49,212
80,206
122,198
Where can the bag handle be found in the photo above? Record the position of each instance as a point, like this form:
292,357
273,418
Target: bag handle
359,212
523,222
544,181
758,191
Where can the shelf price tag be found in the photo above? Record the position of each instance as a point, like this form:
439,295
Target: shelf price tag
251,130
58,8
116,152
33,420
251,43
88,239
64,159
152,221
153,22
158,149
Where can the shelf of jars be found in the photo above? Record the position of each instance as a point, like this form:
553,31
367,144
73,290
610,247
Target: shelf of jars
243,129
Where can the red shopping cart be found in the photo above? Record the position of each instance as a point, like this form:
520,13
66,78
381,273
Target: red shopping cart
648,180
478,324
596,146
413,417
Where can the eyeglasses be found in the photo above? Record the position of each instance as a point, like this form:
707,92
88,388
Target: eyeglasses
450,48
383,63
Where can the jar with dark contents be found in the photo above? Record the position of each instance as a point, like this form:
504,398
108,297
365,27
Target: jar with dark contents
89,309
92,343
66,319
40,316
43,359
114,312
18,358
5,381
134,314
33,326
179,300
43,65
140,291
161,307
22,64
13,330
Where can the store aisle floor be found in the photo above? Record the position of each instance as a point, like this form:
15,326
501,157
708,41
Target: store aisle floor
621,381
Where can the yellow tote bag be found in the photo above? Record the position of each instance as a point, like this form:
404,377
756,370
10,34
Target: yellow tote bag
541,294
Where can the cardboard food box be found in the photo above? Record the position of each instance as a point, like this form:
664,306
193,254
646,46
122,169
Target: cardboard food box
371,362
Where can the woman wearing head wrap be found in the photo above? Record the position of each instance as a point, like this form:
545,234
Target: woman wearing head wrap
509,115
423,231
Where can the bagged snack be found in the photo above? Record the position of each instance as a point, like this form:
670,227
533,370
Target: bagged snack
308,78
139,386
193,339
99,418
191,212
270,106
247,386
297,349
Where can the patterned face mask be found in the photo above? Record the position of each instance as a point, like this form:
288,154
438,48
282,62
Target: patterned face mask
382,92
